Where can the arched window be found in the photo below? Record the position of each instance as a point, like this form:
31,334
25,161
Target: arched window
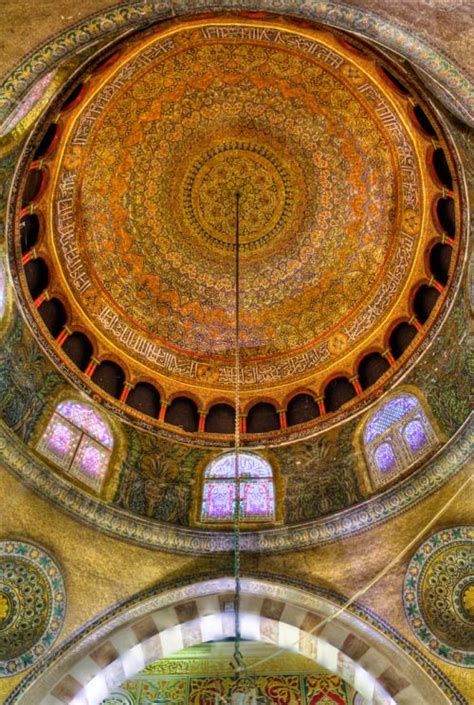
77,440
395,436
257,492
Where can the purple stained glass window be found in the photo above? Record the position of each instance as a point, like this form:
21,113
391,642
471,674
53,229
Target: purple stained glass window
91,460
257,499
78,440
87,420
218,501
385,457
257,494
60,439
415,436
389,414
250,465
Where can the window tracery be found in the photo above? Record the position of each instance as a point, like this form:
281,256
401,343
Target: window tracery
398,434
77,440
257,491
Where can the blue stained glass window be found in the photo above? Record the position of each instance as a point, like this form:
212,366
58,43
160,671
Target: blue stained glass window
388,414
396,435
385,457
415,435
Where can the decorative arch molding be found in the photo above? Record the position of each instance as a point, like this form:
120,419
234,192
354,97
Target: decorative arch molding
30,469
453,85
355,644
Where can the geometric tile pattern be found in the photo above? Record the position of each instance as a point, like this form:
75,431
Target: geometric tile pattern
438,595
32,605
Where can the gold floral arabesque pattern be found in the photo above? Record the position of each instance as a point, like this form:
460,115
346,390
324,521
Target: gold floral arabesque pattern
160,271
334,173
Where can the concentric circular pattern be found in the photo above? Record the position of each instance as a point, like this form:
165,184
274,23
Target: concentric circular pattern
32,604
224,115
241,169
349,223
439,592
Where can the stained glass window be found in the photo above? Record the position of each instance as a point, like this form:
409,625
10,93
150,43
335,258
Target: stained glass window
78,440
414,435
397,435
385,457
257,492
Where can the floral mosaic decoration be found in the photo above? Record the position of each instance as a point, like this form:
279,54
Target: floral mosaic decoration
32,605
438,595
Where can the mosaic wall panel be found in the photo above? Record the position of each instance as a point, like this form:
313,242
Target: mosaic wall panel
32,605
278,689
438,595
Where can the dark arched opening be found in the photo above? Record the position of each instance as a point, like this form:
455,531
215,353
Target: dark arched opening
262,418
183,412
220,419
301,409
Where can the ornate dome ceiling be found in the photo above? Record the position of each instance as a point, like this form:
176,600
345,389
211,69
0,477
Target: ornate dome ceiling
346,190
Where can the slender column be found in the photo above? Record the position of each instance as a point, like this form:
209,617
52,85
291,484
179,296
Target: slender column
63,336
387,354
27,210
28,256
91,367
439,287
202,421
415,322
321,405
283,421
163,407
127,388
446,240
355,381
44,296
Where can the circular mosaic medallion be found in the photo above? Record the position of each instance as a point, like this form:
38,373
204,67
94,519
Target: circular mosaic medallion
252,172
32,605
439,595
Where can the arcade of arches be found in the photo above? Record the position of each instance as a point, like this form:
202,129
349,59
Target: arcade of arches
126,131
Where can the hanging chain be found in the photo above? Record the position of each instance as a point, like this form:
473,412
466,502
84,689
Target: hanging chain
237,652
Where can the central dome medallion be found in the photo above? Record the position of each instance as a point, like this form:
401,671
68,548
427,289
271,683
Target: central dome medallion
252,172
334,209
